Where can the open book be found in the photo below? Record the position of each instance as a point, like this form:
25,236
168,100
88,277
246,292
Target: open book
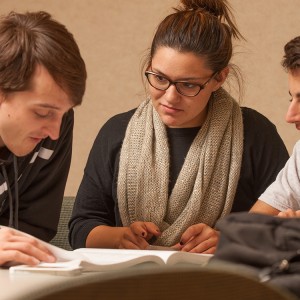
91,259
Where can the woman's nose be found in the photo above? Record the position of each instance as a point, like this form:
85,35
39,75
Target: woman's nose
172,94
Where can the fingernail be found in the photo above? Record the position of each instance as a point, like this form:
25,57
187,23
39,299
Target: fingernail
36,261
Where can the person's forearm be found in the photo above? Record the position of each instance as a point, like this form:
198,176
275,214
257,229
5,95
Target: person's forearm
105,237
264,208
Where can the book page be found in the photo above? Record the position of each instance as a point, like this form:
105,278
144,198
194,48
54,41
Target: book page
189,258
62,254
116,258
66,268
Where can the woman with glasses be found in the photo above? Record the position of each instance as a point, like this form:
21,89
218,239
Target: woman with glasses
164,173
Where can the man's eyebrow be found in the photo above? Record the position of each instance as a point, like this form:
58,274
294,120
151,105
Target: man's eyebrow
46,105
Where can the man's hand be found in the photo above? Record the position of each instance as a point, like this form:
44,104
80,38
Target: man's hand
16,248
289,213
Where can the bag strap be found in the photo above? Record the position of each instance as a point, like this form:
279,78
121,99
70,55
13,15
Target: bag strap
285,266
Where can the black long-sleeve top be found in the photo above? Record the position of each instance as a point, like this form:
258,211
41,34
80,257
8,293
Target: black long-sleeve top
96,203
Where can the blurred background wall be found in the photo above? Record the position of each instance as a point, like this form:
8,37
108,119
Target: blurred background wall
113,36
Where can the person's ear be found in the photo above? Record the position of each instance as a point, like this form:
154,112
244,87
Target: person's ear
220,78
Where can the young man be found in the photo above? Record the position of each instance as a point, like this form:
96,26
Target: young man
283,196
42,77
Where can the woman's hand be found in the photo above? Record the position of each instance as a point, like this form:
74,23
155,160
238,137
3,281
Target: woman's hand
199,238
289,213
16,248
138,235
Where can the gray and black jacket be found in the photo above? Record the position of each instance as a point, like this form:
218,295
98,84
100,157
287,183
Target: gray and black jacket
32,186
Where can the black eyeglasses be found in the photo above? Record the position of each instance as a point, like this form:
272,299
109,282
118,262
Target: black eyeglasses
184,88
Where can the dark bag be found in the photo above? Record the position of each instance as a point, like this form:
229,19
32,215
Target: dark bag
269,245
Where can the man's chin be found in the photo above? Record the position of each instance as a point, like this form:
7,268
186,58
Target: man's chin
22,152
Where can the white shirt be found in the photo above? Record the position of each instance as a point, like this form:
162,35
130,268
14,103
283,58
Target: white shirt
284,192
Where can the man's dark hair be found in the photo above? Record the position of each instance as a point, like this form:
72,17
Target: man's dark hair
291,58
33,38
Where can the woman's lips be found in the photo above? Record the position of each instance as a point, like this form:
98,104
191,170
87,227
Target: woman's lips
169,109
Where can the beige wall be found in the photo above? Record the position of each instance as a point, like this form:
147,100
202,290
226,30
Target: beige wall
113,35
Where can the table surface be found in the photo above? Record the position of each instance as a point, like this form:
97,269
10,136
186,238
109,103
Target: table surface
32,286
25,285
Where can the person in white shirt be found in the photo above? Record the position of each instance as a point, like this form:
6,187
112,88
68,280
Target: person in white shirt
282,197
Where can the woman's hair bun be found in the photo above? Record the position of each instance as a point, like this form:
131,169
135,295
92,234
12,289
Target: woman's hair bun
217,8
213,7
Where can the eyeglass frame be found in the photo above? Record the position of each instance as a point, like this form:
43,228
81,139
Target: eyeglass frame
201,86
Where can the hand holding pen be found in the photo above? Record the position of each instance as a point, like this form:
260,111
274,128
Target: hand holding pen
138,235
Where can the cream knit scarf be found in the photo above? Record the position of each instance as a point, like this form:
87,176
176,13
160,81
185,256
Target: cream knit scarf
206,185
